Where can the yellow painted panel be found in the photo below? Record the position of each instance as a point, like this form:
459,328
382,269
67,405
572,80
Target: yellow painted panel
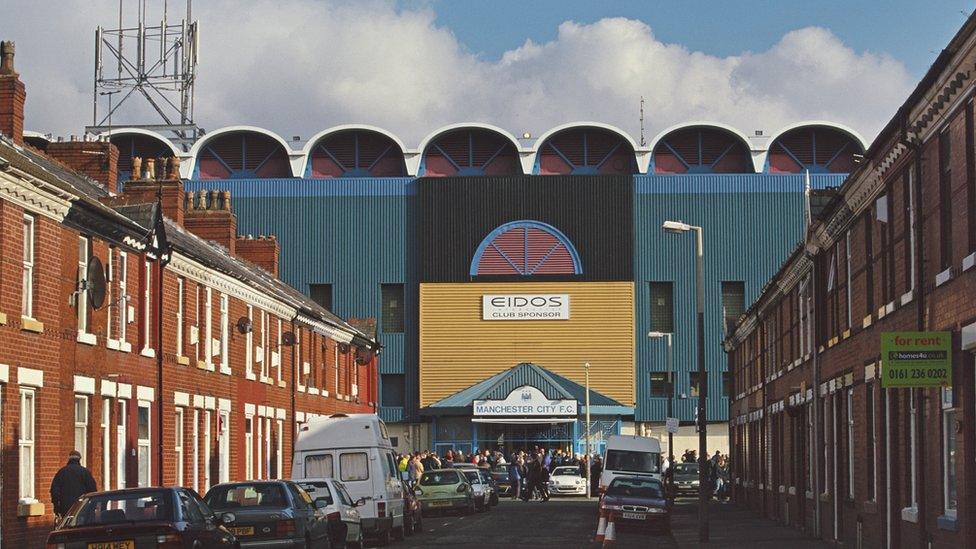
459,349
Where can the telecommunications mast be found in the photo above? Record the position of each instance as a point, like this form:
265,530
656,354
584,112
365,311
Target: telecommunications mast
156,61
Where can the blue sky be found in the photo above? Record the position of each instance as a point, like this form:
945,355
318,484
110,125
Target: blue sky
910,31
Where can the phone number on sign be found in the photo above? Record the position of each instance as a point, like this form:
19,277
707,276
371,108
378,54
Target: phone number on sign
918,373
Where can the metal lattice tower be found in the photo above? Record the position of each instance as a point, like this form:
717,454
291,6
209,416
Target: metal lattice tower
157,62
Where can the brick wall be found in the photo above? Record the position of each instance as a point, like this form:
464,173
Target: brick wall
98,160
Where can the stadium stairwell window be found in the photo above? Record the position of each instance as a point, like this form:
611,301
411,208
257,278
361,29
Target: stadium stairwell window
525,248
733,303
392,295
726,385
660,386
393,392
321,294
696,384
662,307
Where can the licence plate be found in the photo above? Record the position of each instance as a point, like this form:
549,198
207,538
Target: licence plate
125,544
635,516
242,531
440,503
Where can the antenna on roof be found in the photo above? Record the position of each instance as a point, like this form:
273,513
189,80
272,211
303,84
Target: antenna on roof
163,77
643,142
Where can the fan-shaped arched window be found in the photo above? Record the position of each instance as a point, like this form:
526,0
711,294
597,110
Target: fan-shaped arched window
819,149
526,248
702,149
242,155
356,153
474,151
143,146
584,151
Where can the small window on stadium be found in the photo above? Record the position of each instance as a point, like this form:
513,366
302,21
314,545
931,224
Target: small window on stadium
726,384
392,389
321,294
392,308
662,307
660,386
696,385
733,303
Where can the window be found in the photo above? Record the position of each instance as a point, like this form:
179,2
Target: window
871,441
393,390
249,346
146,305
223,446
122,446
908,198
824,465
945,200
726,384
179,316
662,307
660,385
321,294
869,263
318,466
196,450
178,444
196,326
265,358
248,447
279,449
207,448
81,297
697,385
353,466
106,442
143,443
224,333
27,286
847,270
392,308
266,464
123,297
110,294
81,427
278,351
949,445
912,420
850,443
810,446
733,303
26,443
208,332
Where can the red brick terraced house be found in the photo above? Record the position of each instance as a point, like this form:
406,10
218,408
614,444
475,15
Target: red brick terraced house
818,442
145,333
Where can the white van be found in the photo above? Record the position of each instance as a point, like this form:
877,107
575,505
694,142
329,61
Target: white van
630,456
355,449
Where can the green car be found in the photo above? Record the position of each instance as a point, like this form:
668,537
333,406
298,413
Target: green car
444,490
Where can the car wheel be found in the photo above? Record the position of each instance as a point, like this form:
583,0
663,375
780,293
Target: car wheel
399,532
494,498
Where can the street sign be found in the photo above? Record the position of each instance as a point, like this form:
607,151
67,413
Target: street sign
672,424
916,359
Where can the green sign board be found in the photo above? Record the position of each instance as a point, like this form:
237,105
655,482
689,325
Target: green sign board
916,359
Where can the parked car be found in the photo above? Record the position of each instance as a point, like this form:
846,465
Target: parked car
631,456
686,478
481,487
140,517
331,498
445,490
413,520
356,449
566,480
503,483
269,513
637,501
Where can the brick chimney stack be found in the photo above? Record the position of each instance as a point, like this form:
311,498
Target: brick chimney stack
208,215
96,158
12,96
263,251
143,187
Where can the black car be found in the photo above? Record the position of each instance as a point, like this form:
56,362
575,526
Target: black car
503,482
685,478
141,517
269,514
637,501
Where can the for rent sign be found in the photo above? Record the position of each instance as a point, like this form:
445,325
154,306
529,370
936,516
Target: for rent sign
525,307
916,359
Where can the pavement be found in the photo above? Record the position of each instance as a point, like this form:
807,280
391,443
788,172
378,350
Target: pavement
571,523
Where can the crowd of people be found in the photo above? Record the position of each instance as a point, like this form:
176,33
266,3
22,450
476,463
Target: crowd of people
716,470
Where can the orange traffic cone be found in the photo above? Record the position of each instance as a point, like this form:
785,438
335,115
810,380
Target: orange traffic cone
610,539
601,528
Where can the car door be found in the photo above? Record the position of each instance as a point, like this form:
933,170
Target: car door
306,513
209,531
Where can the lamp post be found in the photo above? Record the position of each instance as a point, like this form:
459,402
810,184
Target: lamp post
589,468
669,337
680,227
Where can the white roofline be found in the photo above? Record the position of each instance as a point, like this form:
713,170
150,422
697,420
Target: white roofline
307,149
753,154
148,133
202,142
462,125
582,125
822,123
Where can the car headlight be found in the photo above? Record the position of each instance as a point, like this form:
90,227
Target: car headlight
656,510
613,508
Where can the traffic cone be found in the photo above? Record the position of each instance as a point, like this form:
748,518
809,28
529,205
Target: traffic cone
610,538
601,527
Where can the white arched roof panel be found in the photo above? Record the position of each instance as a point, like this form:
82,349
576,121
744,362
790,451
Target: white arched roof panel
847,130
307,149
414,160
294,157
754,154
115,132
583,124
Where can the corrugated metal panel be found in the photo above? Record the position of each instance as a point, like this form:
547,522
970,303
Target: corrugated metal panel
459,349
751,222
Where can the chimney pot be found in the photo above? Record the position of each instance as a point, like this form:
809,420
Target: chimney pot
174,168
136,168
225,195
150,169
7,50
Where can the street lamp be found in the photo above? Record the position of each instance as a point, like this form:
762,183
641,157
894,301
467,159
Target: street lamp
669,338
589,467
681,227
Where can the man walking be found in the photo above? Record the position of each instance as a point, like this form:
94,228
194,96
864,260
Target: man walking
70,483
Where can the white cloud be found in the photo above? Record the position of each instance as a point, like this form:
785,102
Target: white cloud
299,66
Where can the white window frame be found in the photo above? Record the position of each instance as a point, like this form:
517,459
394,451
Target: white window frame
872,433
196,450
948,428
196,315
248,446
81,427
180,305
223,445
850,442
825,466
267,447
178,437
81,296
110,341
265,355
847,272
123,301
147,347
26,442
259,472
106,442
207,448
122,449
249,345
29,257
279,462
224,334
208,332
811,419
278,351
144,444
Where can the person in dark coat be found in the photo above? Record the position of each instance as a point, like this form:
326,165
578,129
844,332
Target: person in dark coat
71,482
596,469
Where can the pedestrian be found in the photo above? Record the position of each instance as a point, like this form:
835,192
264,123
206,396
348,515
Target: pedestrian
515,476
71,482
596,469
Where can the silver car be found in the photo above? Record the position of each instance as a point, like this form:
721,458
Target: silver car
269,514
330,496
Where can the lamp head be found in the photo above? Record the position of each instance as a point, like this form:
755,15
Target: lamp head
675,227
657,335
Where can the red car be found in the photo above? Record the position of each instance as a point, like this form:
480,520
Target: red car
169,518
637,501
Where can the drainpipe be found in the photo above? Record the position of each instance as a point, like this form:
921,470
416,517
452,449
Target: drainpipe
818,407
922,324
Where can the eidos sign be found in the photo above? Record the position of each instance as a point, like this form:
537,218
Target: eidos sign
525,307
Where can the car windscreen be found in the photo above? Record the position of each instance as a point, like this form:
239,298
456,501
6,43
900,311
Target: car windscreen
247,496
686,469
317,489
635,488
632,461
118,508
439,478
570,471
472,476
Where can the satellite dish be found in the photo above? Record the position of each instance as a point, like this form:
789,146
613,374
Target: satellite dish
95,283
244,325
363,355
288,338
343,348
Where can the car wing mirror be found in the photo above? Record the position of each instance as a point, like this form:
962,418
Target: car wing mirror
227,518
360,502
